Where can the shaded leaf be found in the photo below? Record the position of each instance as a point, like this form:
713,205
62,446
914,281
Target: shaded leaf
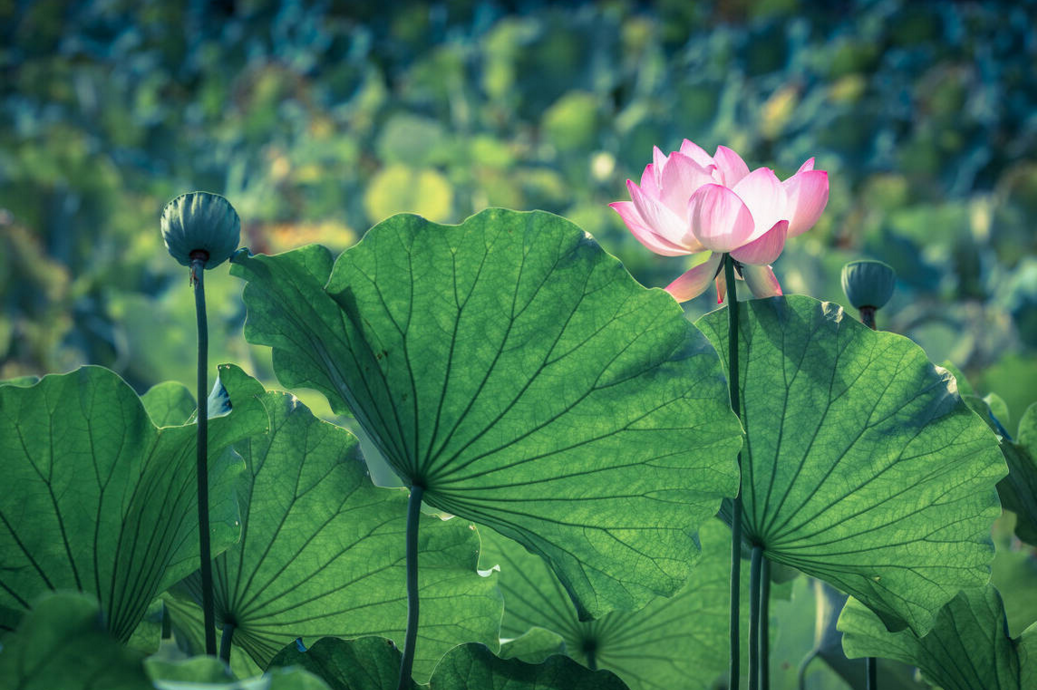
672,642
967,649
100,500
1018,490
322,551
64,643
520,374
862,465
367,663
205,672
474,667
828,645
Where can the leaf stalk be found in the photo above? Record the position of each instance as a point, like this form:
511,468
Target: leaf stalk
225,641
198,260
413,514
755,591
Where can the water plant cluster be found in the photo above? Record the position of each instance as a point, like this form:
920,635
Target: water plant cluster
490,454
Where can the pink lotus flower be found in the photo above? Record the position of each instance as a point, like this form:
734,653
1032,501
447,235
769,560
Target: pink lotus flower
691,202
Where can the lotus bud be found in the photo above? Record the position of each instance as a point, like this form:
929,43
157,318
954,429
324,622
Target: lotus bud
200,225
868,285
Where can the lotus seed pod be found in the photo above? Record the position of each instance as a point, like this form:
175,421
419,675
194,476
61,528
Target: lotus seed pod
868,283
200,221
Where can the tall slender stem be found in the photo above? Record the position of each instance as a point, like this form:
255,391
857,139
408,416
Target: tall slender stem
765,624
225,640
868,319
736,510
198,259
754,617
592,658
413,513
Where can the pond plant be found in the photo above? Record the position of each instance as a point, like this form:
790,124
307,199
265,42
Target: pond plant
566,440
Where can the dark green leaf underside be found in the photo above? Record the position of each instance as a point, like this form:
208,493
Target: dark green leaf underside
64,644
862,466
322,551
967,649
1019,489
474,667
98,499
367,663
671,642
523,377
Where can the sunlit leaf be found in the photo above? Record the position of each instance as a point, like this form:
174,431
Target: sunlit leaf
100,500
672,642
519,373
862,465
322,551
169,403
967,649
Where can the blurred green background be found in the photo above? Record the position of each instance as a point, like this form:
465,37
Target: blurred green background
319,119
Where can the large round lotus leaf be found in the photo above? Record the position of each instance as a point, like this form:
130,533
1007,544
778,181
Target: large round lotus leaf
862,465
676,642
323,551
967,649
524,378
97,499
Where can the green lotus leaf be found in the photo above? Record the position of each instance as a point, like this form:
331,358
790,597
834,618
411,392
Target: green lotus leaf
366,663
373,663
209,673
520,375
322,551
862,465
169,403
672,642
1019,489
98,499
534,645
968,648
474,667
64,643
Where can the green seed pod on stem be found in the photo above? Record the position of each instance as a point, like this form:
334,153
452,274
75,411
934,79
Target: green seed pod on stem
868,285
201,230
200,222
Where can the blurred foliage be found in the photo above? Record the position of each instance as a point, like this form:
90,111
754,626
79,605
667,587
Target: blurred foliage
319,119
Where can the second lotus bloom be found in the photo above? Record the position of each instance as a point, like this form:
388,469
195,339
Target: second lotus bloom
691,202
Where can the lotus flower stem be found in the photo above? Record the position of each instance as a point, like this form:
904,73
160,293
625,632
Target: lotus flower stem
868,317
871,668
225,641
198,260
765,624
736,512
754,617
167,623
413,513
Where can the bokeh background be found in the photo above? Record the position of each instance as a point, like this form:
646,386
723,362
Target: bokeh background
320,119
